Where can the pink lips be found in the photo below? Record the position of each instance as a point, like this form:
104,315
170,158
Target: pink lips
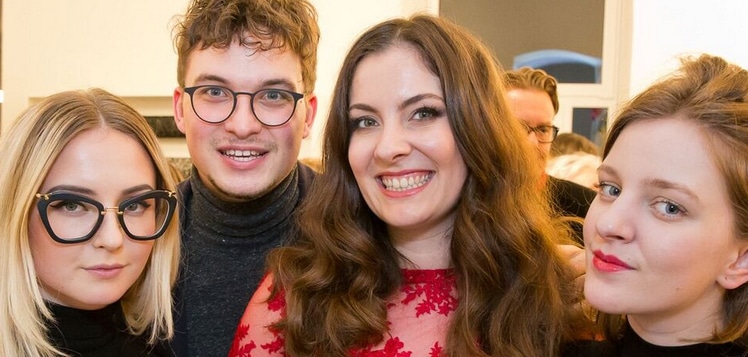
608,263
105,271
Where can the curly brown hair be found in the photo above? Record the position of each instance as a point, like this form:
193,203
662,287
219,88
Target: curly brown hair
258,24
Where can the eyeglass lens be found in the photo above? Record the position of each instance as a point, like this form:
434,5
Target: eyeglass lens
215,104
544,134
72,219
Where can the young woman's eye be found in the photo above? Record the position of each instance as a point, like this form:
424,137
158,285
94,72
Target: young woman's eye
668,208
68,206
607,189
136,206
426,113
364,122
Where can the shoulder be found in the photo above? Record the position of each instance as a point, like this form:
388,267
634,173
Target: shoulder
184,189
570,196
589,348
255,334
306,177
306,173
570,187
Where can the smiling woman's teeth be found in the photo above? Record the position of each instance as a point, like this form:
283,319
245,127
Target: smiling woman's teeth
404,184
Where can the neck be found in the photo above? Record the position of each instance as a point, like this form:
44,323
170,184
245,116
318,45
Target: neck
430,251
682,327
243,219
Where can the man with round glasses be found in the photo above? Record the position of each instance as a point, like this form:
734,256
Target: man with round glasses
245,100
533,98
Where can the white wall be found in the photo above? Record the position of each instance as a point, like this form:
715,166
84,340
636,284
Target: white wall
55,45
126,48
666,29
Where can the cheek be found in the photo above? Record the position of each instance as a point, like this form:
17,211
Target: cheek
140,250
39,240
545,150
358,156
589,229
50,260
676,253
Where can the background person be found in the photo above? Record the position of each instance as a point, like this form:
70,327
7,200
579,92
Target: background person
578,167
89,249
245,101
408,246
533,98
570,143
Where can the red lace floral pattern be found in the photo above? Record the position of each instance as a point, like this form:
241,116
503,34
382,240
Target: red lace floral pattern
418,317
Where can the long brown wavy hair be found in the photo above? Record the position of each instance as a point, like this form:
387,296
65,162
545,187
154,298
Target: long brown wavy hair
713,94
514,296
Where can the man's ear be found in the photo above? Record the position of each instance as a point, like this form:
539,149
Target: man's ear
736,273
177,99
311,113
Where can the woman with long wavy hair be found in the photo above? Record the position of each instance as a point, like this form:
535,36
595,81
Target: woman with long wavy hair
426,233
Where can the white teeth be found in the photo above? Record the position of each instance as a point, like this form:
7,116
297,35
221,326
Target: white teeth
404,184
242,155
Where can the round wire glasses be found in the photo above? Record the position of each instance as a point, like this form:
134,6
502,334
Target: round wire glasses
214,104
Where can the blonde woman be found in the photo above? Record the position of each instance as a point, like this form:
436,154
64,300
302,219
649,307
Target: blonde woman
89,247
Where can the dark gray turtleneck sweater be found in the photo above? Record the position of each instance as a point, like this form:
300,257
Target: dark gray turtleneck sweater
224,246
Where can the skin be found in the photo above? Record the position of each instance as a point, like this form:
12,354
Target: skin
270,153
403,133
535,108
659,236
93,274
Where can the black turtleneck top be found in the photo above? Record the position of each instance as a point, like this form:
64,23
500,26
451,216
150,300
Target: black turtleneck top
84,333
632,345
224,246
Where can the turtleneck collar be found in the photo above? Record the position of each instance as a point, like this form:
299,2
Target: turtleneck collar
243,219
76,324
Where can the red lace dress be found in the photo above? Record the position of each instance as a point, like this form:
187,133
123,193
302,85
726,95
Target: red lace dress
418,316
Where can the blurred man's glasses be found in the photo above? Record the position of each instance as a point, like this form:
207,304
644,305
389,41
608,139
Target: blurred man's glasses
73,218
544,133
214,104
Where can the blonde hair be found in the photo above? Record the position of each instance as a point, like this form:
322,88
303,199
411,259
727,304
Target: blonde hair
575,167
533,79
29,149
569,143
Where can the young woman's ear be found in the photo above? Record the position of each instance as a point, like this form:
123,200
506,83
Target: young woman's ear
736,273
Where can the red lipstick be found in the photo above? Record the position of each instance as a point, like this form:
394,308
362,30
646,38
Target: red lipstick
608,263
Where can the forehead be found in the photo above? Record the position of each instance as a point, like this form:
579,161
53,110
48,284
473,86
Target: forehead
531,105
102,157
398,70
243,66
675,149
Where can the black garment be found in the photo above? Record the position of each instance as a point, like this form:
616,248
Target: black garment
570,199
224,246
83,333
631,345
